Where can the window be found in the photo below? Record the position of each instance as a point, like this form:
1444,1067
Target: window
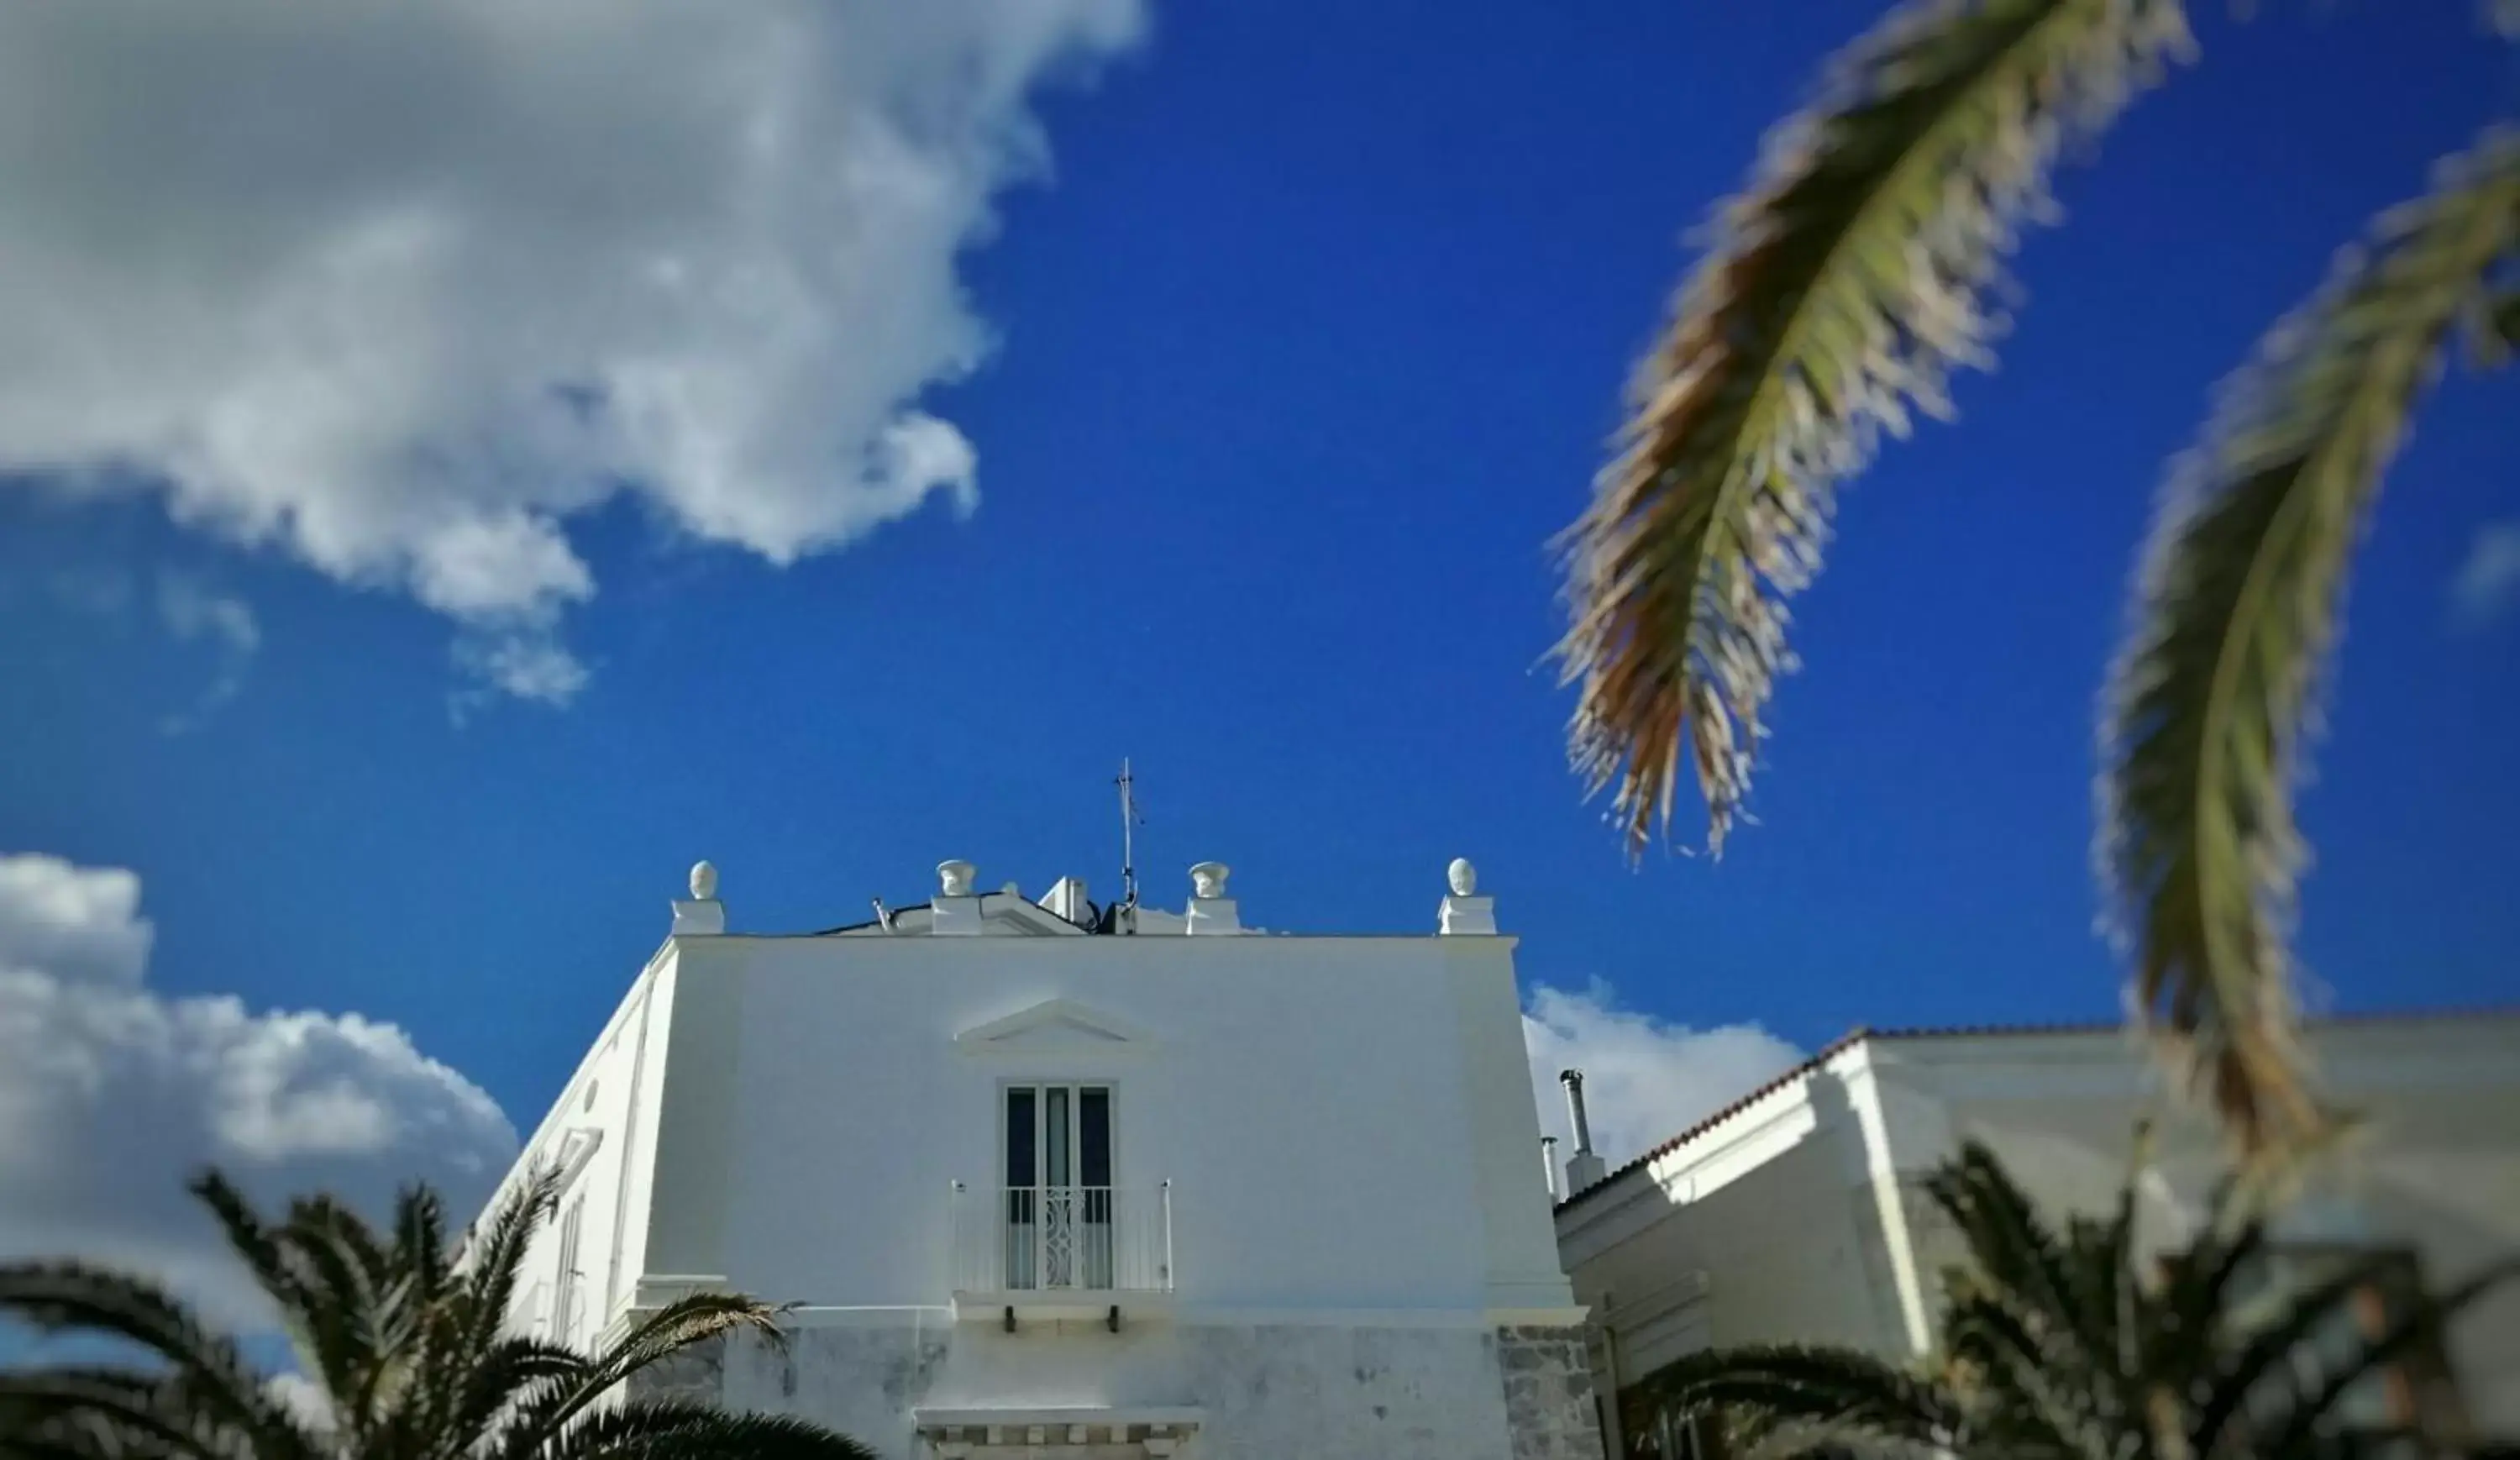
569,1285
1058,1197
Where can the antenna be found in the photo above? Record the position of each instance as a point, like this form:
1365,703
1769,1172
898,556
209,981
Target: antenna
1130,821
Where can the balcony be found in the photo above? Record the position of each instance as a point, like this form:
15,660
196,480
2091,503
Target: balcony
1061,1251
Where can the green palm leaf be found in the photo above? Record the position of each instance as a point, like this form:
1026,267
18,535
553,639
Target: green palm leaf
1839,293
102,1411
63,1296
2423,1324
2235,609
668,1430
404,1339
692,1319
1793,1398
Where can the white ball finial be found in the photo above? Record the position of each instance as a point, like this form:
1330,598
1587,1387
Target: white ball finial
1207,880
954,877
1464,877
704,882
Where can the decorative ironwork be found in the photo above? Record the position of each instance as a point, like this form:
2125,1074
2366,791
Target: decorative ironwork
1062,1239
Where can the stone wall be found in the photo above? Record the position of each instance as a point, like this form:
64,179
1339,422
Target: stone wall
1549,1394
1265,1392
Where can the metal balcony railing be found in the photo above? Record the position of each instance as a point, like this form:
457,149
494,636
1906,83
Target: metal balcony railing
1053,1240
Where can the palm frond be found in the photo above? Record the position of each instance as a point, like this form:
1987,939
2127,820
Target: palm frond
1800,1391
267,1255
420,1239
2503,324
2015,1251
2266,1352
58,1296
2421,1324
2235,608
2050,1392
668,1430
504,1386
106,1411
694,1319
492,1263
1839,293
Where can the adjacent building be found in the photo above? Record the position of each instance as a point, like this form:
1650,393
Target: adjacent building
1797,1214
1041,1174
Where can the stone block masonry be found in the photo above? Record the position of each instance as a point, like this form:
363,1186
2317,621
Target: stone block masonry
1260,1392
1549,1405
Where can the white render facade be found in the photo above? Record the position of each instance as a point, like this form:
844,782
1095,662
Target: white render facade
1174,1187
1797,1214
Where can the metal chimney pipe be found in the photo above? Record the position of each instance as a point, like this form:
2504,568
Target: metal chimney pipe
1573,1080
1548,1163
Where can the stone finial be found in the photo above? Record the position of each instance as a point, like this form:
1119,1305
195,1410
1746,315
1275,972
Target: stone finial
1211,910
700,914
1463,910
954,877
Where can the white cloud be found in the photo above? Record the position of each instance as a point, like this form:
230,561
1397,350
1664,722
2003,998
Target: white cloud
82,926
523,661
111,1095
402,288
1644,1081
2489,578
194,612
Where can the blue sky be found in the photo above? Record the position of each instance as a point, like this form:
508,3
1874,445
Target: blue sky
1306,341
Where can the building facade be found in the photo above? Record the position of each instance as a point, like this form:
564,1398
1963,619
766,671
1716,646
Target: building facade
1043,1175
1798,1214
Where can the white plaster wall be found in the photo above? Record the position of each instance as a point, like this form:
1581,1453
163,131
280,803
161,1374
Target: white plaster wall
1263,1391
1346,1125
1331,1113
2436,1166
1772,1251
1778,1208
615,1070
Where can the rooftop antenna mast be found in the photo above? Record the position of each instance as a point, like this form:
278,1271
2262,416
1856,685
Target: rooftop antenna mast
1130,821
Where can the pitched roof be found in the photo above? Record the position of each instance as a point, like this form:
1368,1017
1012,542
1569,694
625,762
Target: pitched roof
1860,1034
1828,1052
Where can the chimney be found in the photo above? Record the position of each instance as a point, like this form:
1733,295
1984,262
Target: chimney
1066,900
1549,1165
955,909
702,913
1584,1168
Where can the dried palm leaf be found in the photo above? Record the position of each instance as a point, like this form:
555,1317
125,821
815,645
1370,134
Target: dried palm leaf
1840,290
2234,610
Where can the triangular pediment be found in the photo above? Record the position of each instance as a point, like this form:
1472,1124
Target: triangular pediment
1060,1026
576,1149
1013,916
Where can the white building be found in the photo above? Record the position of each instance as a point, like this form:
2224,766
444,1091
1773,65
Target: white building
1797,1214
1041,1175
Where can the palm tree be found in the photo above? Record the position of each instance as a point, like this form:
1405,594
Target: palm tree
403,1338
1840,292
2077,1346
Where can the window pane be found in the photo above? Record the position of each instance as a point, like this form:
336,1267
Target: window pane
1054,1134
1020,1137
1094,1136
